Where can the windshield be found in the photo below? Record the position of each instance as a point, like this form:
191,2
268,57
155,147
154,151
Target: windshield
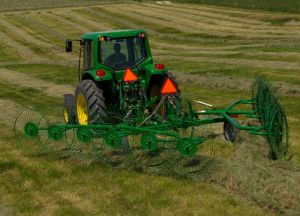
121,53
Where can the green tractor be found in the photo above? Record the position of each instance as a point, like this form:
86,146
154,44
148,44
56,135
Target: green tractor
103,85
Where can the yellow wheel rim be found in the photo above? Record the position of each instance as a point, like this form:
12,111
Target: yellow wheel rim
81,110
155,91
66,114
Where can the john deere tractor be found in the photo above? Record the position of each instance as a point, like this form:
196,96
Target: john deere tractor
118,76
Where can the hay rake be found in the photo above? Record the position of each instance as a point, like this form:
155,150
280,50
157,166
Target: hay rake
179,143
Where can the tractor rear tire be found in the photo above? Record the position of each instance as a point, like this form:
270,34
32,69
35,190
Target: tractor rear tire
154,90
69,109
89,103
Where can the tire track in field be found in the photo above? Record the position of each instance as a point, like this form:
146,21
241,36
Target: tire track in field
50,48
29,81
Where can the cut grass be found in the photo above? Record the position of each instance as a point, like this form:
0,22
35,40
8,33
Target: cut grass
44,185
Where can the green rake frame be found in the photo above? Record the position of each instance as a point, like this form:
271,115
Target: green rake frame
153,144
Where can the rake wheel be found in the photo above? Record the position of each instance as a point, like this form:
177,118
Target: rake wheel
30,129
278,134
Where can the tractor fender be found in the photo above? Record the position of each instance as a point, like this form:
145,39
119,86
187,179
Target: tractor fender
91,74
152,72
150,68
70,99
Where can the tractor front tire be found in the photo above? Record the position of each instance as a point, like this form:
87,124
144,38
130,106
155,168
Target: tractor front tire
89,103
154,90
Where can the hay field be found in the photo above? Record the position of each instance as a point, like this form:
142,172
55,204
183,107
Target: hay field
214,52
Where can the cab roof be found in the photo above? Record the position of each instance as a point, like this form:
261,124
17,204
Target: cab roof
112,34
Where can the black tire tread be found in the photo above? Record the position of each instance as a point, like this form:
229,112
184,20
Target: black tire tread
94,98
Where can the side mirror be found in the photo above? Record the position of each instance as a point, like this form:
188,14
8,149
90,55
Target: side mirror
68,46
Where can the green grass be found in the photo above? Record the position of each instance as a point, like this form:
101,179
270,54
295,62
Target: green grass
35,185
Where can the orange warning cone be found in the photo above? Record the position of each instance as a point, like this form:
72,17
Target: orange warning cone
168,87
129,76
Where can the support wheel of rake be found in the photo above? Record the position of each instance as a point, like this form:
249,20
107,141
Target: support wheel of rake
189,155
114,145
278,135
230,131
150,153
81,143
30,129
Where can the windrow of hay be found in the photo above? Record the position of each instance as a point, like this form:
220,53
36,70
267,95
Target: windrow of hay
29,81
187,47
155,18
60,19
233,83
187,25
246,62
205,12
80,20
273,185
210,51
22,50
48,30
240,13
165,35
49,47
209,24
